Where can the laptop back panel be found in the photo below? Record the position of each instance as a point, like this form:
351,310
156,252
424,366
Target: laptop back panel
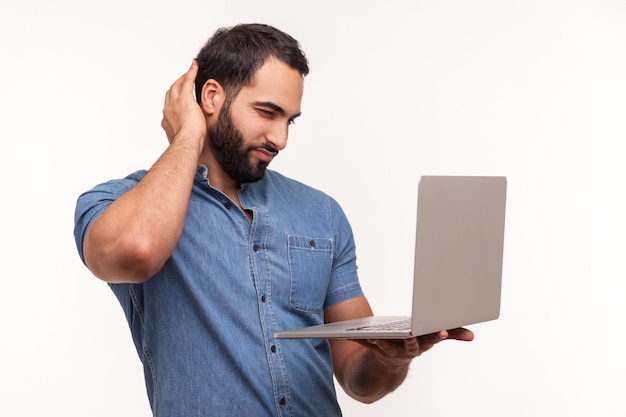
458,252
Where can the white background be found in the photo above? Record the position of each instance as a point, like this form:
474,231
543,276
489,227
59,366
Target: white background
534,90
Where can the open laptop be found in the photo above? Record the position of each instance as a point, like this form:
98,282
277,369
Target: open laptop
458,263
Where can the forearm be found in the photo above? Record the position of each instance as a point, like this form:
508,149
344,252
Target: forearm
367,379
134,237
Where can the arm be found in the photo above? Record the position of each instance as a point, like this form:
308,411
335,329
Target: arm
136,234
368,370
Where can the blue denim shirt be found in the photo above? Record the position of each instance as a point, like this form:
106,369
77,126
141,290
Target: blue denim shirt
204,325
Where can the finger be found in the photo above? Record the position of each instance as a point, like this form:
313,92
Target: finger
377,344
433,338
426,342
167,97
412,346
193,69
188,79
372,344
397,348
185,81
461,334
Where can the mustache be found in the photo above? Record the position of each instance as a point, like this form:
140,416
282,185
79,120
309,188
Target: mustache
266,147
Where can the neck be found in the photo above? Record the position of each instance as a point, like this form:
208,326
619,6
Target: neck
218,178
221,181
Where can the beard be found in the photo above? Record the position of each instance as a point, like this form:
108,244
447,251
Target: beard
228,145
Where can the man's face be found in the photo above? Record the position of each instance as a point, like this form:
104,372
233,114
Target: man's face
251,130
232,152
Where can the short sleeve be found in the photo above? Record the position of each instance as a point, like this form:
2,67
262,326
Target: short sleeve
91,204
344,281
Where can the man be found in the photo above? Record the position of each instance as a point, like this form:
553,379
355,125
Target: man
210,253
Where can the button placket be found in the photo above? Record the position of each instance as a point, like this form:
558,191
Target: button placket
258,255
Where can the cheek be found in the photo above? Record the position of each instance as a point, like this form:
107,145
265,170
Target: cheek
253,126
253,129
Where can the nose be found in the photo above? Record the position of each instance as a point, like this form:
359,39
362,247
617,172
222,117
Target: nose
278,136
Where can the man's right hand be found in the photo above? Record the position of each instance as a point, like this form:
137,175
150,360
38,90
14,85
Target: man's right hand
181,112
136,234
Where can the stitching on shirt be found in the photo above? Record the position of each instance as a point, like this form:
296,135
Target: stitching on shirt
331,217
144,346
279,371
344,288
146,353
135,303
293,252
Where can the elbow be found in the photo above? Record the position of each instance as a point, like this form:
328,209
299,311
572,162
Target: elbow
362,391
141,262
368,398
133,262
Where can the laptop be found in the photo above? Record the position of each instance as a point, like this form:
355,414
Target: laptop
457,276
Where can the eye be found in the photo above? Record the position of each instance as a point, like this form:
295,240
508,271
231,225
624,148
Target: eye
291,122
266,113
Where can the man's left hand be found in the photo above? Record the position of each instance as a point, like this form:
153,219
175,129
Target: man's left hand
398,353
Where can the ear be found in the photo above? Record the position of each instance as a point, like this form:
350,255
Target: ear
212,97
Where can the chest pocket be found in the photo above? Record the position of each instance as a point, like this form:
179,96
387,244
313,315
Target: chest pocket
310,262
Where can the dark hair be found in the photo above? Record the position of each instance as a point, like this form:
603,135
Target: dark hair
234,54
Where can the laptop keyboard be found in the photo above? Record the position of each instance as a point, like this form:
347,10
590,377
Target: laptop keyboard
403,324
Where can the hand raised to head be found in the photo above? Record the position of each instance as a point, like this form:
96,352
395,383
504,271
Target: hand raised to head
181,112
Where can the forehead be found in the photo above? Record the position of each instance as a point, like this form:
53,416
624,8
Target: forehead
278,83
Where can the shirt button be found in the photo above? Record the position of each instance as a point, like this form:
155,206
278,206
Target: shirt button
273,348
228,205
263,298
282,401
256,248
312,243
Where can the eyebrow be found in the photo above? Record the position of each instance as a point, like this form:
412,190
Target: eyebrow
276,108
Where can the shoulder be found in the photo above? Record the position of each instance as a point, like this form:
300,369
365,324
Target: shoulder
277,183
294,199
114,187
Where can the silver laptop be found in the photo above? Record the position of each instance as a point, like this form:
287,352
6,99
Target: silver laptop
458,263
